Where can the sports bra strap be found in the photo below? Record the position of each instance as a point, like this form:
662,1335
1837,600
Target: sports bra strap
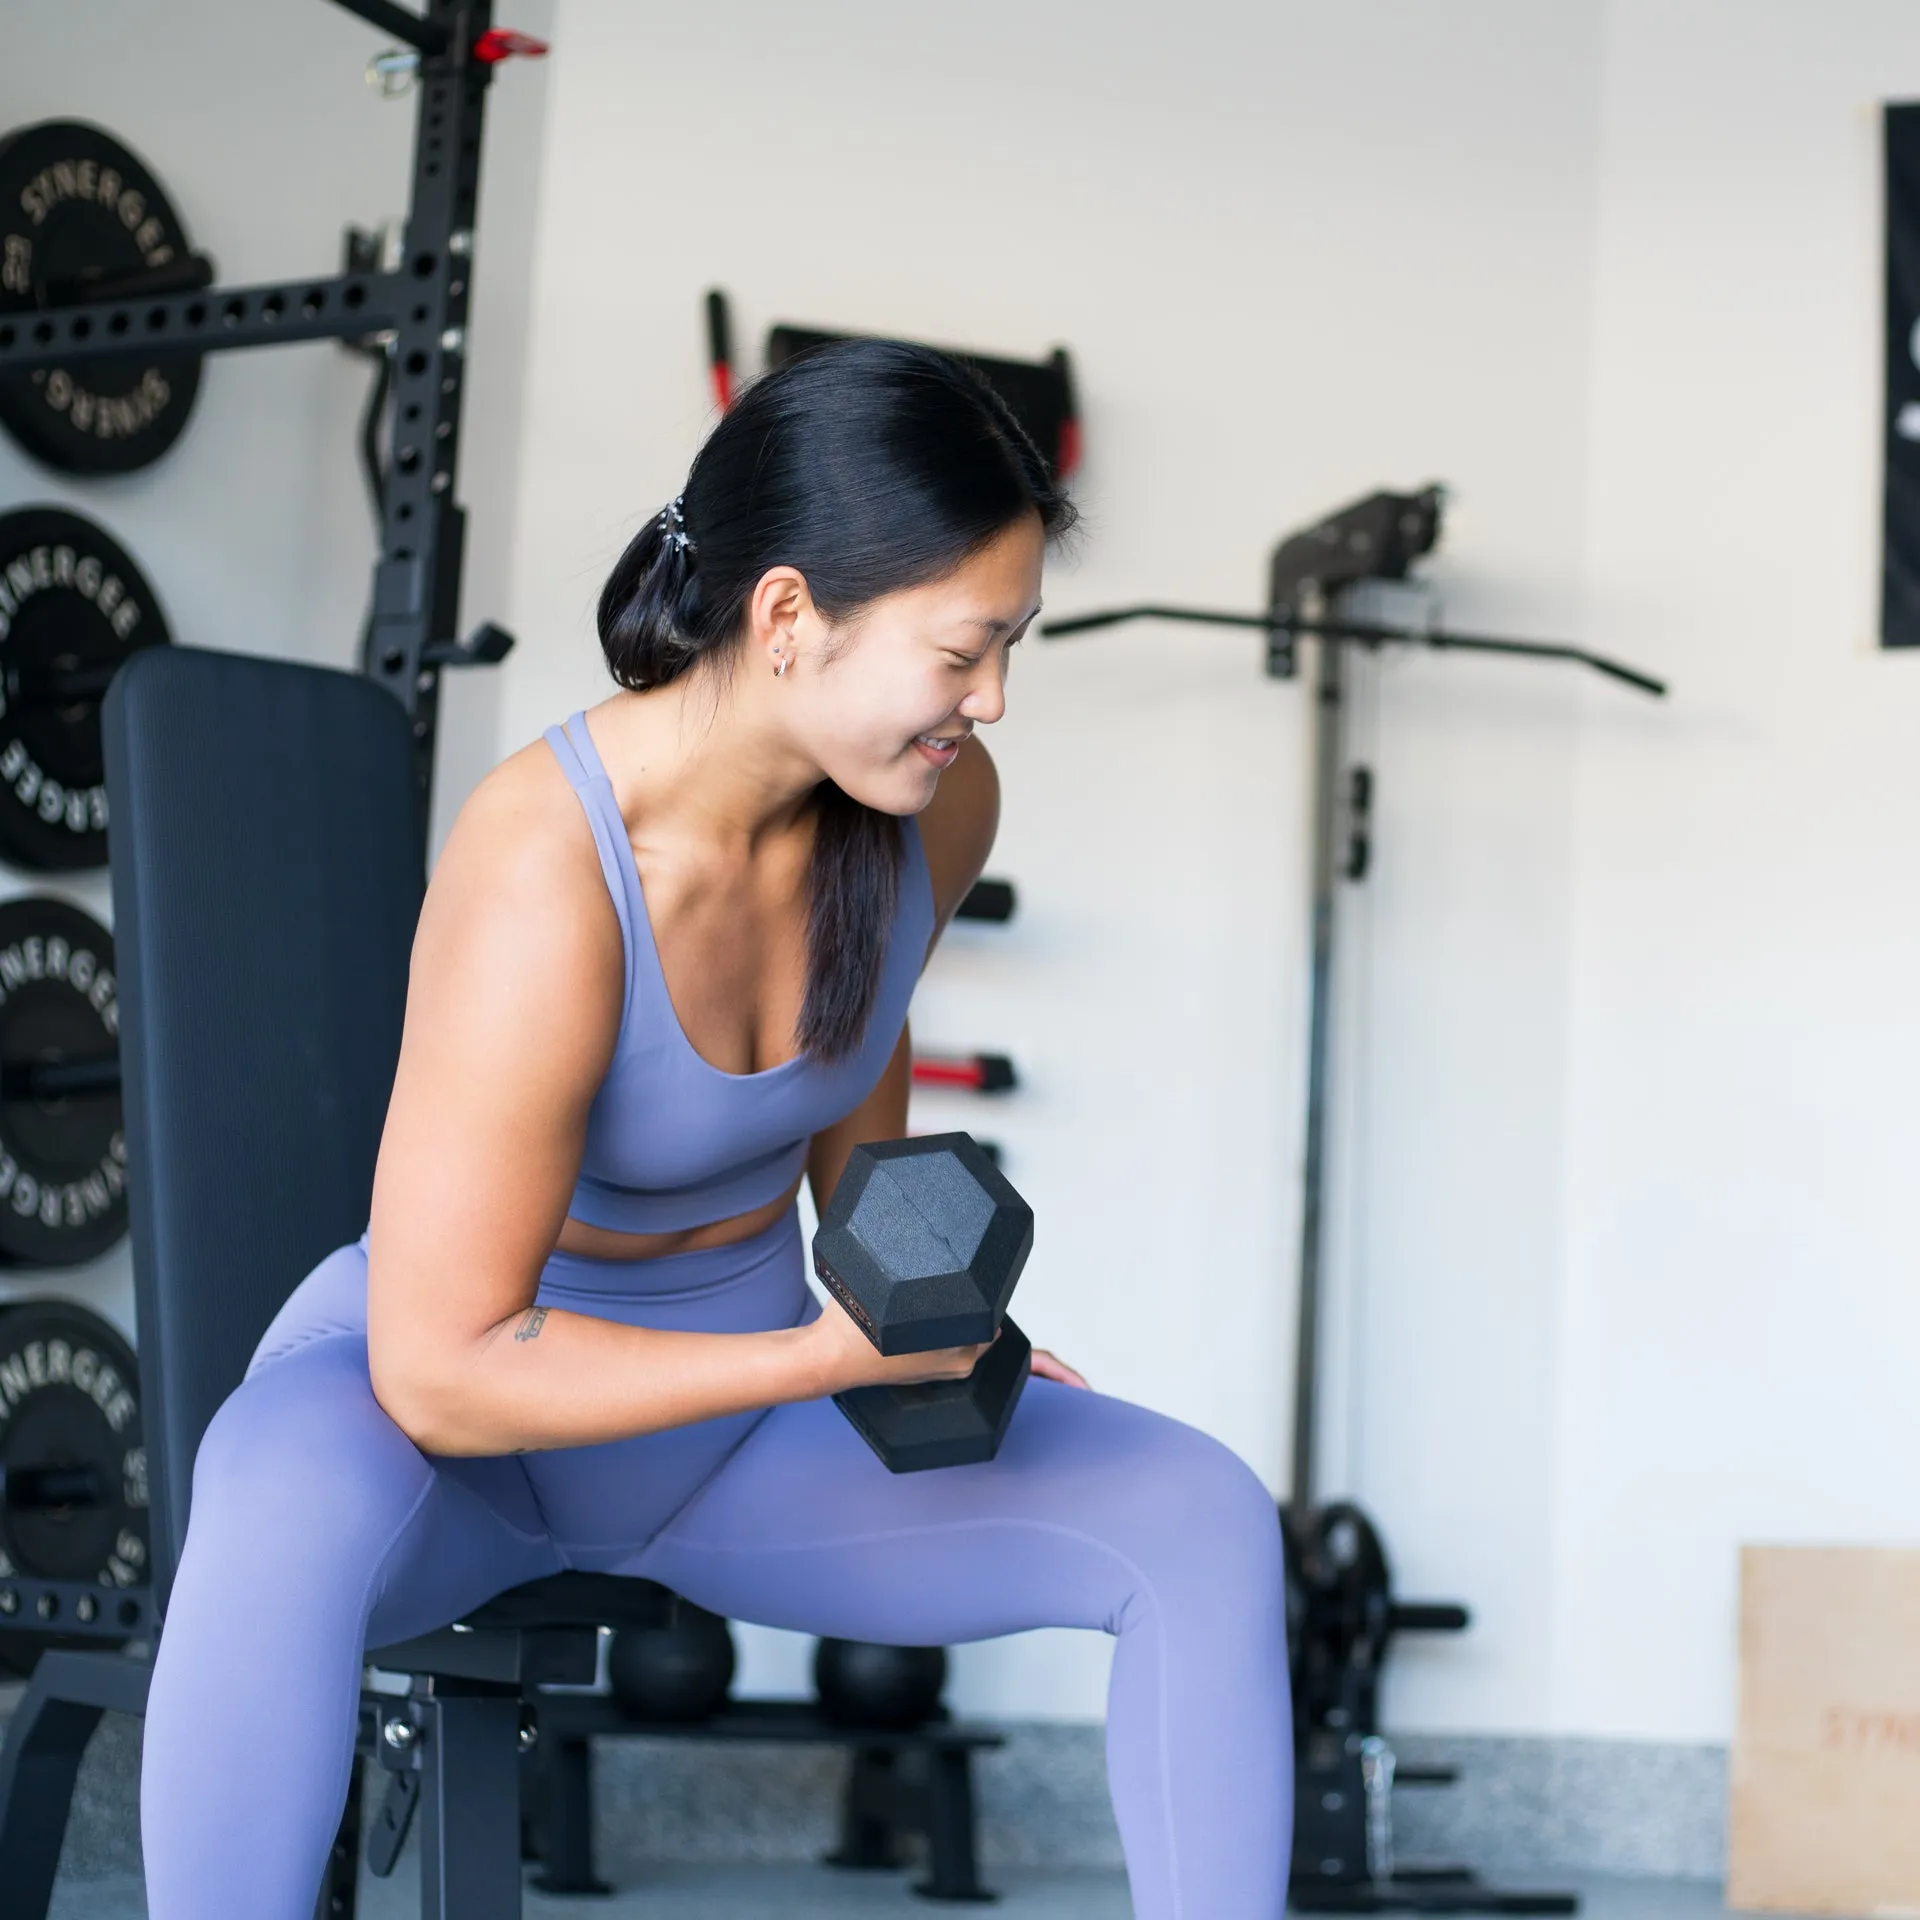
588,778
581,741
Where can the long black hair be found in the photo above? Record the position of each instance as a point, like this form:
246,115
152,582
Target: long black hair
870,466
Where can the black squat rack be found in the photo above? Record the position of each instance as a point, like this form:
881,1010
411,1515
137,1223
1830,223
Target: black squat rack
416,310
412,316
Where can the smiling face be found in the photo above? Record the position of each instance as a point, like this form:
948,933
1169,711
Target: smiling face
883,700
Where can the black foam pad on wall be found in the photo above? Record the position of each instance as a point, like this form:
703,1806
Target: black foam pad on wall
1900,571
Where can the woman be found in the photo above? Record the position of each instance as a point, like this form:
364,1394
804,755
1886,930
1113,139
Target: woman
661,974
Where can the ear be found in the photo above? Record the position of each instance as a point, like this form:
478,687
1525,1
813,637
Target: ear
780,615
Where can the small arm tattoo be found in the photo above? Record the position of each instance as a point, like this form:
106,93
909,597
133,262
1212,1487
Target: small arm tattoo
529,1328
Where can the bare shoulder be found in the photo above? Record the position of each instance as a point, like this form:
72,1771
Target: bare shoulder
522,828
958,825
518,894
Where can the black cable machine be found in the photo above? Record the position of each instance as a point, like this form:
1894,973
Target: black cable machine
1341,1614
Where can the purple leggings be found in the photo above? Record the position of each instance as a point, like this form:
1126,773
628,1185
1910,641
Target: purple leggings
319,1529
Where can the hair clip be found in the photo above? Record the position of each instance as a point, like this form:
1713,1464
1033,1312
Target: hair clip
673,523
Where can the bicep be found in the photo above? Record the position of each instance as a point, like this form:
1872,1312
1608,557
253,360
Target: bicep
882,1115
512,1011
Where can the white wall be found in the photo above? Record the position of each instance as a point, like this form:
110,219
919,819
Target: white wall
1299,253
1740,1309
255,530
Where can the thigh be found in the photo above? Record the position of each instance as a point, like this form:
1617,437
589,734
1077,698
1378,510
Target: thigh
304,1488
1092,1507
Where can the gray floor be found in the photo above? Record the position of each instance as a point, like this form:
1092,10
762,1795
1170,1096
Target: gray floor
705,1893
807,1893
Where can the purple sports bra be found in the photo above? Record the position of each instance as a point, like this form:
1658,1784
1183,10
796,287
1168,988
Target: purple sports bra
673,1142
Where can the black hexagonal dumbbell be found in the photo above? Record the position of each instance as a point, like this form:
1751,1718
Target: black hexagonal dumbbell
922,1243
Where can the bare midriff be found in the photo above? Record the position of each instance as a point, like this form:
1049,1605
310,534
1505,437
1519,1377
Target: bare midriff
604,1243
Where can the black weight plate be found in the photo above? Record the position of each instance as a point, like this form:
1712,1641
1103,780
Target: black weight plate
71,1445
73,606
63,1161
77,204
1349,1583
1294,1553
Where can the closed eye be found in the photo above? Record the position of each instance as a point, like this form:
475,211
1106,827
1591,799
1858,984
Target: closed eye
974,659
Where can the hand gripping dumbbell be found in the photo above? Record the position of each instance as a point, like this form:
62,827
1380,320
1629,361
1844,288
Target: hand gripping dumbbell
922,1243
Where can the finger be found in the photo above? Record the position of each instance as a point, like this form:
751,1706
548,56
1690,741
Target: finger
1051,1367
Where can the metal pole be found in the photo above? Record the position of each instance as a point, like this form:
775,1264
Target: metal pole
1329,752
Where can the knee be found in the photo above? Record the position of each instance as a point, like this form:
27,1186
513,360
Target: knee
1209,1513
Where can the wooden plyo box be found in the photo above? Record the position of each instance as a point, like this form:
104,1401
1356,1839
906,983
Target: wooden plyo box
1825,1811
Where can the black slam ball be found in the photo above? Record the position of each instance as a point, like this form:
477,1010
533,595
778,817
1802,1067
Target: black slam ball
863,1684
680,1670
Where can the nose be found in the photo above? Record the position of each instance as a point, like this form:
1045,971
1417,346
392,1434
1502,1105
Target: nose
986,699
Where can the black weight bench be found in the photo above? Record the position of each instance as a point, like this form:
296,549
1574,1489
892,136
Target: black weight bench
267,853
450,1747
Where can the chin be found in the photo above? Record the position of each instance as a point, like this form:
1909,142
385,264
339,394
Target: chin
901,789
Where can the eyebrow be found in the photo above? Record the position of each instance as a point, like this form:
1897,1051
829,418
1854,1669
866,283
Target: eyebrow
1007,626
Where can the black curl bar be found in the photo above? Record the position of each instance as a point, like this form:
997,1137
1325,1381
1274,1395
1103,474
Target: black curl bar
1361,632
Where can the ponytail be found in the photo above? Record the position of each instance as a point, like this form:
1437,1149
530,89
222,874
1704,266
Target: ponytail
650,604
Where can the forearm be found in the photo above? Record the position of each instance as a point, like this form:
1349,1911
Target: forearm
546,1378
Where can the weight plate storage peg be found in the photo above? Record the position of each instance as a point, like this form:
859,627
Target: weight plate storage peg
83,218
73,607
73,1462
63,1149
